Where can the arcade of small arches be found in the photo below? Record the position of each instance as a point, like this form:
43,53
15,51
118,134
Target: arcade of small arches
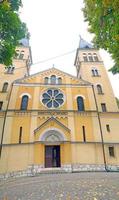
53,80
90,57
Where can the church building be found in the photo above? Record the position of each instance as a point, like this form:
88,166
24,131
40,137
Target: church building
54,121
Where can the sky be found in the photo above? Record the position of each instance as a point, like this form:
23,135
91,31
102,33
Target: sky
55,27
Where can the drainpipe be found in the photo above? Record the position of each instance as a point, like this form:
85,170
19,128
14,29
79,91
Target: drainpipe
101,132
5,116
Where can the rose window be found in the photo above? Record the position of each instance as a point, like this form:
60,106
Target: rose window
53,98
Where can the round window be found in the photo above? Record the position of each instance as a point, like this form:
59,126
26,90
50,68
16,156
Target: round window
53,98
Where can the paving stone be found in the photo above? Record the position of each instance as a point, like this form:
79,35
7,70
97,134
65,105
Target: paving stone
72,186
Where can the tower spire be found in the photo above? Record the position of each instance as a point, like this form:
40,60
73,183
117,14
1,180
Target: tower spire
83,44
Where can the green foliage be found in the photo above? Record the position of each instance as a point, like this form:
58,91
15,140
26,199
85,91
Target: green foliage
117,100
103,18
11,30
15,4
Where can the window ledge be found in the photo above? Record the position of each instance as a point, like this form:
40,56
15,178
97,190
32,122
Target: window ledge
100,93
113,157
3,91
92,61
11,73
96,75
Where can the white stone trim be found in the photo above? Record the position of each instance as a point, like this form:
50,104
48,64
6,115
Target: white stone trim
52,87
25,94
33,170
80,95
49,132
87,167
99,84
95,68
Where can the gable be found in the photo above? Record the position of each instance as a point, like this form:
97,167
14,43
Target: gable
52,130
50,120
39,78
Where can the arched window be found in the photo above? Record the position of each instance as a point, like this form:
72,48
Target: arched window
93,72
1,104
21,56
46,80
99,89
85,57
17,54
95,57
10,69
59,80
80,104
5,86
53,79
24,102
90,57
96,72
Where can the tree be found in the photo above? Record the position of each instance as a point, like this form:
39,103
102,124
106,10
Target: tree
103,19
11,30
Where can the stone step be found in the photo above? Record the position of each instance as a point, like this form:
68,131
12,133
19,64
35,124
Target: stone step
52,170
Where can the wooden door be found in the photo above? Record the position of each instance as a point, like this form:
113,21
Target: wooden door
52,156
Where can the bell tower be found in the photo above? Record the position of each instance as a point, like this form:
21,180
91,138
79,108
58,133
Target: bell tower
19,69
23,58
90,67
22,61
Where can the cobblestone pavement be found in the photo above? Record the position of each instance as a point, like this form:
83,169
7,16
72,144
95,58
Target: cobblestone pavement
76,186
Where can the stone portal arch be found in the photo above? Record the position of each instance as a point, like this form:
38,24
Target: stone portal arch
52,135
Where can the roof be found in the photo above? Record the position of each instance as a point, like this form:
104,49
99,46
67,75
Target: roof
53,70
83,44
24,42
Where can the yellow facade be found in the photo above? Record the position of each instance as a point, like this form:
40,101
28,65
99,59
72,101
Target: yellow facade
55,120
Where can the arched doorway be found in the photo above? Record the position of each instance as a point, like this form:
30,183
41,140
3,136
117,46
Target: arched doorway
52,140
